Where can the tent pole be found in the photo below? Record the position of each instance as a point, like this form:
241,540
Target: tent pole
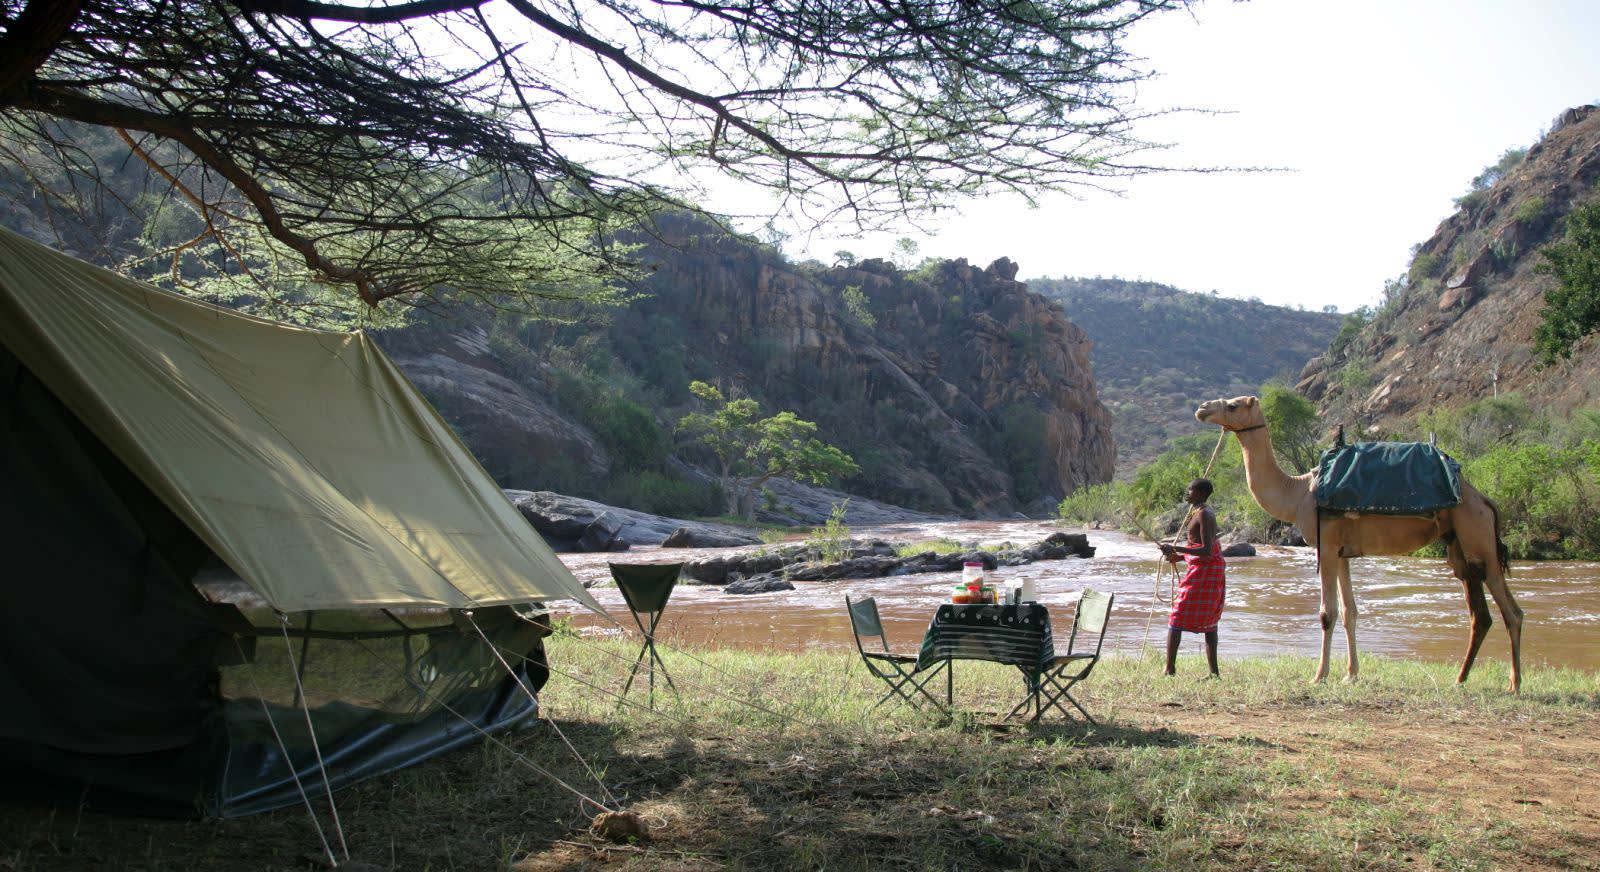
300,670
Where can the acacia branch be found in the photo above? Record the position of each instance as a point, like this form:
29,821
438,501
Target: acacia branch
603,49
32,38
200,204
67,105
306,9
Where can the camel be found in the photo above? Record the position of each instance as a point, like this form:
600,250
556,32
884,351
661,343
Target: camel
1470,530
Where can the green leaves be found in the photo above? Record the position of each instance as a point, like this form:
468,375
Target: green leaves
752,450
1293,420
1571,308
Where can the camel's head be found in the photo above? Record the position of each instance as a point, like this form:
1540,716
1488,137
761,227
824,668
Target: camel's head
1238,413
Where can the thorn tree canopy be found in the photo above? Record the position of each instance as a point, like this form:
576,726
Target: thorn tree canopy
398,148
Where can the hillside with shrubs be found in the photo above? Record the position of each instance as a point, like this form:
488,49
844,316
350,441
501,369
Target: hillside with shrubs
1160,351
1488,345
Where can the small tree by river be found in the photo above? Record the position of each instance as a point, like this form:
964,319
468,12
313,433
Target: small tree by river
751,450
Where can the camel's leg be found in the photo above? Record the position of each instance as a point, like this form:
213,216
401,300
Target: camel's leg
1511,613
1329,569
1472,584
1483,555
1347,593
1472,576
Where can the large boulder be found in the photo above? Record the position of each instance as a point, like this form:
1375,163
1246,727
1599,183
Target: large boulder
512,431
705,536
575,524
759,584
602,534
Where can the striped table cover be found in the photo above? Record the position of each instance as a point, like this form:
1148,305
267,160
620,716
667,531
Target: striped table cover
1015,634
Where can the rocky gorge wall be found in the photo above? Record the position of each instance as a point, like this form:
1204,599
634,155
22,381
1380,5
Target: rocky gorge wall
1463,327
956,360
956,389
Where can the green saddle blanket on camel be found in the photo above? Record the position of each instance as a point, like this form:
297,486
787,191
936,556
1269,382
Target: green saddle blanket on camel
1387,478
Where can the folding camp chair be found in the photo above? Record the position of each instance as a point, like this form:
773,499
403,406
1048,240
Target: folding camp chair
645,588
1056,677
897,670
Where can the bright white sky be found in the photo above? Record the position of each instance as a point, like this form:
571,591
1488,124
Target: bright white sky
1384,110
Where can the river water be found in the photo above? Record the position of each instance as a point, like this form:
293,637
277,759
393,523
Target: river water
1409,607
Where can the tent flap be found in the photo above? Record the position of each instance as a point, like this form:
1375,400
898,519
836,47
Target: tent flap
304,459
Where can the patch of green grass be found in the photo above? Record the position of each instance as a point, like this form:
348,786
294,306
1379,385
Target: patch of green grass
936,546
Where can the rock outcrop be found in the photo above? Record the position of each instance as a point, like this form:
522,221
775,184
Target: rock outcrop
1463,328
511,427
573,524
778,570
955,356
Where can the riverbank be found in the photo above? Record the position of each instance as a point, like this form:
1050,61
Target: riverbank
1410,608
779,762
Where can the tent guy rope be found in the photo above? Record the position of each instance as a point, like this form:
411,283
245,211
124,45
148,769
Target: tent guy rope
316,746
305,798
495,650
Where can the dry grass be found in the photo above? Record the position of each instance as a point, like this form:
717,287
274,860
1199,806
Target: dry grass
778,762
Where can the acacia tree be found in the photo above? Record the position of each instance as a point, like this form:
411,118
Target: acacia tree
393,149
750,450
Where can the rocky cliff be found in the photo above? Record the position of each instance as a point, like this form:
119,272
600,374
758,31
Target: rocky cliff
1461,326
955,388
956,360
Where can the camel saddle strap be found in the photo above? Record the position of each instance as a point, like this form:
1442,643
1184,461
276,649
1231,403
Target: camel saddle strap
1387,478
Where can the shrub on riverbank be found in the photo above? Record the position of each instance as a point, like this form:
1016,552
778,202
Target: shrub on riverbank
778,761
1543,472
1151,502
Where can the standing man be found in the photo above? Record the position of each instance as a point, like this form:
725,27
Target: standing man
1197,602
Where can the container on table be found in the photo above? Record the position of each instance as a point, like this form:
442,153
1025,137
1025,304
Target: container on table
971,570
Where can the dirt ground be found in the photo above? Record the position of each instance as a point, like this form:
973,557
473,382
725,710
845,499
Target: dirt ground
1522,787
1543,779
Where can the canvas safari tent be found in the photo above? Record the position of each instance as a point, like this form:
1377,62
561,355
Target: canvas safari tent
217,529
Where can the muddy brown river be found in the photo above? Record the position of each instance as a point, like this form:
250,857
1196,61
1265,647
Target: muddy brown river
1409,607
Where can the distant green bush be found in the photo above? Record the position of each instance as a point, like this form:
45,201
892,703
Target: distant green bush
1571,308
1483,181
1475,428
1529,210
1547,495
832,539
1542,472
1349,329
1092,505
937,546
1471,200
1422,266
1355,380
858,306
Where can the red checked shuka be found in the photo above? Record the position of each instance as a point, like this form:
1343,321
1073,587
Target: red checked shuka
1197,603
